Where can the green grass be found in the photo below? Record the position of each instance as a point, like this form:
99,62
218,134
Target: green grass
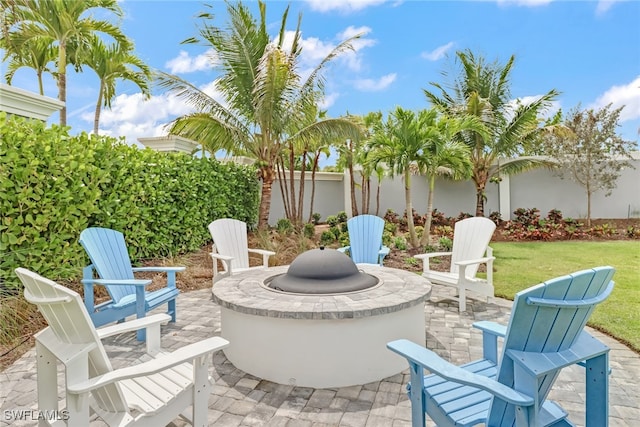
524,264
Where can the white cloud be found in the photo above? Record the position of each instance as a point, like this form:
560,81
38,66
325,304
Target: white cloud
344,6
328,100
604,5
526,100
627,95
437,53
527,3
132,116
353,59
371,85
184,63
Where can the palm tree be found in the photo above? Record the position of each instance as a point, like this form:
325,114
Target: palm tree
68,25
443,155
399,143
36,53
483,90
263,92
112,63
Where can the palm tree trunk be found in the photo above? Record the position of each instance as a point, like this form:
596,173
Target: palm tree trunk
378,199
265,197
62,81
96,116
303,169
426,234
313,184
354,202
407,195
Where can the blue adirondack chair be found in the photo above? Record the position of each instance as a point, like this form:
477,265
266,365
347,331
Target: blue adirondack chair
109,257
365,240
545,334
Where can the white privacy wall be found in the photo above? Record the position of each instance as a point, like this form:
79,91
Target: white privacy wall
538,188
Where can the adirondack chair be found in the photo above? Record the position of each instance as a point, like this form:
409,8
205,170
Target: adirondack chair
230,246
471,238
151,393
545,334
365,240
110,259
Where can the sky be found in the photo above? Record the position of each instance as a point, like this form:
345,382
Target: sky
587,50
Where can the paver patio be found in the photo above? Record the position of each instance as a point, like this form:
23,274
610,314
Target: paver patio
240,399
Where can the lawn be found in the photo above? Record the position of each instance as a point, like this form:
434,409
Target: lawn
523,264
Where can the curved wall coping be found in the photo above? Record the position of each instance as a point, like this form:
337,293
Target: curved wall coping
245,293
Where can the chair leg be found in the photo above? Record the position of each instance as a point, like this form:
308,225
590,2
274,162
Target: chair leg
462,299
47,381
172,310
201,391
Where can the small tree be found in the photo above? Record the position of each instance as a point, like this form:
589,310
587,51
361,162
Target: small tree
594,155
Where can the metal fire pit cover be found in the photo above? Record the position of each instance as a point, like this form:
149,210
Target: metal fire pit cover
322,271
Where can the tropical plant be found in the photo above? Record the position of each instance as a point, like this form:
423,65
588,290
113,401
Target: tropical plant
443,155
482,89
399,143
113,62
67,25
37,54
264,94
594,154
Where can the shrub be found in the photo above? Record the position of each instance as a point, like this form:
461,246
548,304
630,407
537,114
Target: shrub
391,216
400,243
316,218
327,238
496,217
284,226
309,230
332,220
342,216
445,243
55,185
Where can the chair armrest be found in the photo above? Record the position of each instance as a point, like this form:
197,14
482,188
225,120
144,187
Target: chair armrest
221,257
426,256
492,328
159,269
343,249
133,325
384,251
265,255
474,261
161,363
125,282
429,360
261,251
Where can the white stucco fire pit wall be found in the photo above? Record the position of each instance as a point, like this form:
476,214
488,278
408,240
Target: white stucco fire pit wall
320,341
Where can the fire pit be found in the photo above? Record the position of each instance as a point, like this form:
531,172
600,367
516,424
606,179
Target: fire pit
322,322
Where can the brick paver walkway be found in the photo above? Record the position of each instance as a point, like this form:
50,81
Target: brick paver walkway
240,399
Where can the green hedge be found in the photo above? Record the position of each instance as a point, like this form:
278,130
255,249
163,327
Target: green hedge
53,185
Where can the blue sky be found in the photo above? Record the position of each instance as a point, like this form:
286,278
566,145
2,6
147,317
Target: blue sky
588,50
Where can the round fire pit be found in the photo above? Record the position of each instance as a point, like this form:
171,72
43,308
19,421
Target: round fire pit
320,340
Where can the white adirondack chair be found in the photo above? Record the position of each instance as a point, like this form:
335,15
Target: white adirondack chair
471,238
151,393
230,246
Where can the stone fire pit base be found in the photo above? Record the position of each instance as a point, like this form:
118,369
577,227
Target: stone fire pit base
321,341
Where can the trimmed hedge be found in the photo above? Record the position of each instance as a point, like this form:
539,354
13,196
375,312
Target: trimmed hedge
53,186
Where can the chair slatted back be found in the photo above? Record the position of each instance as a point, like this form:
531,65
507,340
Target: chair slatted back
69,320
471,236
230,239
108,253
365,238
549,318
